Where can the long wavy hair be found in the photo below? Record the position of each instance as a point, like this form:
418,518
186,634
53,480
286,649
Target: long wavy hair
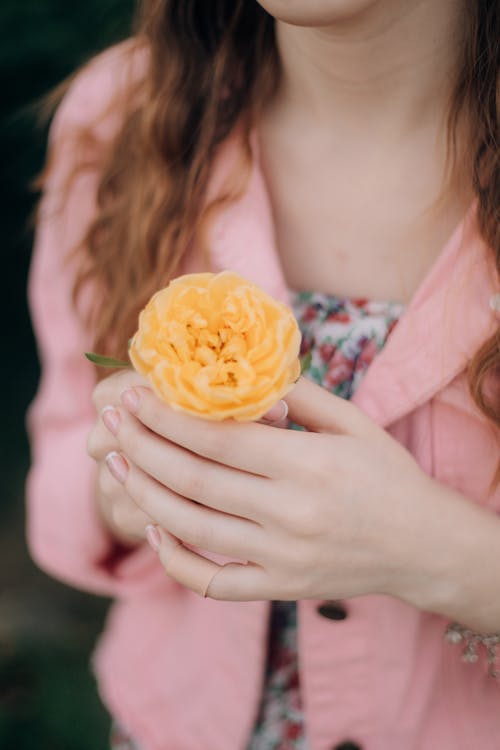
212,64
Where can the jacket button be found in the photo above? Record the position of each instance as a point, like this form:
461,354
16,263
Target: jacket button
347,745
333,611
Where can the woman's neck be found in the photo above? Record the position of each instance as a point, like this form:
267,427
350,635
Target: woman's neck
388,69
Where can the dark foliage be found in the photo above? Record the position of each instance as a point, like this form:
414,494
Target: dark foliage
47,695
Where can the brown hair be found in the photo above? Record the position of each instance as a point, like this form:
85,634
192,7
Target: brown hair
211,66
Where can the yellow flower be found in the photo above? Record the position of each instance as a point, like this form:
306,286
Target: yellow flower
217,346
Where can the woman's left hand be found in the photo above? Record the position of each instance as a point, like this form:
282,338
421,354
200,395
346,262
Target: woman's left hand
329,513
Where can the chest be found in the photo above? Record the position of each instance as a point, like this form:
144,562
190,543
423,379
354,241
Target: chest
354,225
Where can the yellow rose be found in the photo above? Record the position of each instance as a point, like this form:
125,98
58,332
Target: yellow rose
217,346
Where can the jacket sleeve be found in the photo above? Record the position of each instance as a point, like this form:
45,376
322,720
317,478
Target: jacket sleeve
65,535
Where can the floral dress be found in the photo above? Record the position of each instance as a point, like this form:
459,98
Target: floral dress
340,338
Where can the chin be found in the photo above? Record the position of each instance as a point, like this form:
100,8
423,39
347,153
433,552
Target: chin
316,12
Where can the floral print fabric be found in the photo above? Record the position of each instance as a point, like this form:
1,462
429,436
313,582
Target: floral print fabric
340,338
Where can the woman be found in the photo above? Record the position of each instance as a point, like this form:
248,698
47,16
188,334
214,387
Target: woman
343,155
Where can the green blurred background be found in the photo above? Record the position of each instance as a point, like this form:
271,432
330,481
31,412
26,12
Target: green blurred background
48,698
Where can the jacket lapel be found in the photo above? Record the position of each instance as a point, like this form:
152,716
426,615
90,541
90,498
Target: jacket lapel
446,321
444,324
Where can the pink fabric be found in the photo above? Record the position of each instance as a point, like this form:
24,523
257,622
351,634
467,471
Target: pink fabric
181,672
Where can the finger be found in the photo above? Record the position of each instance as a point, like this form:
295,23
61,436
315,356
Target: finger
191,522
107,390
230,582
249,446
130,521
195,477
100,442
315,408
122,515
240,583
276,415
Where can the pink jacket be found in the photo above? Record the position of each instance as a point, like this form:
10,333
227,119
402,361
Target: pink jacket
185,673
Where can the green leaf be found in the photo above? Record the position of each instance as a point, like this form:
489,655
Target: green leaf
305,362
98,359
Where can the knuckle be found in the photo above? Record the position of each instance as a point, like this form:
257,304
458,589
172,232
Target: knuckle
305,521
108,389
92,443
98,396
98,444
130,378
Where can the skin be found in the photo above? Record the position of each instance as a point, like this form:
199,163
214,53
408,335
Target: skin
357,128
338,14
238,489
118,512
362,102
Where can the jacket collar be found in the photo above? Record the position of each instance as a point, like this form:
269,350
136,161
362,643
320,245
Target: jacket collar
445,322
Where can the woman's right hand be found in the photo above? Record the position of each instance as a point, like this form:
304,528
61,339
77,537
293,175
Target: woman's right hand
119,513
121,516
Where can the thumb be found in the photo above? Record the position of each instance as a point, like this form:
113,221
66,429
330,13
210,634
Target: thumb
318,410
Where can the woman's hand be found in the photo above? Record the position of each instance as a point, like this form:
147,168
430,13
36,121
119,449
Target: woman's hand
322,514
119,512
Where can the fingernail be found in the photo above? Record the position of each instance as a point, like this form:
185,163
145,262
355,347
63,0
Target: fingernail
130,399
153,536
277,412
111,418
117,466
